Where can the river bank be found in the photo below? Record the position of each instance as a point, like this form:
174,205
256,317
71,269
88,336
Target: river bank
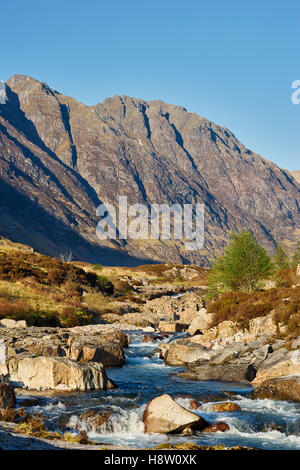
263,424
156,344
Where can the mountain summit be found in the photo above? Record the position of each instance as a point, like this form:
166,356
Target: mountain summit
59,159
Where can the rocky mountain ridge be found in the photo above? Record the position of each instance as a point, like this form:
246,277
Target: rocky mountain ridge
59,159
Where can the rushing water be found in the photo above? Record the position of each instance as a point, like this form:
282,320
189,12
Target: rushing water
264,424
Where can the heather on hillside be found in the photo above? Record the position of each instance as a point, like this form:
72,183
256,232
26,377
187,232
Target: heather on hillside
45,291
241,307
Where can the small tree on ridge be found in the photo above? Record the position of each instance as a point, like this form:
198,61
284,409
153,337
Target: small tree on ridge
241,268
296,256
281,259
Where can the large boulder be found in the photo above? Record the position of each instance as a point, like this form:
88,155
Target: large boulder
169,327
201,322
7,394
183,352
187,316
43,373
109,354
164,415
186,273
8,323
280,364
280,388
227,329
205,338
263,326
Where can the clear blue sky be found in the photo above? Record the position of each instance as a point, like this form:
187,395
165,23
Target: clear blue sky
230,61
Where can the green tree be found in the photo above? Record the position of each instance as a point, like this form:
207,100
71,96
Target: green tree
296,256
241,268
281,259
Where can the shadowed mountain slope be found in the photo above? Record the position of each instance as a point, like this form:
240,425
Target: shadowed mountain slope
59,159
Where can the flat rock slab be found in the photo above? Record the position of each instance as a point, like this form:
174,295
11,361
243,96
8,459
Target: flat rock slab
227,372
280,388
43,373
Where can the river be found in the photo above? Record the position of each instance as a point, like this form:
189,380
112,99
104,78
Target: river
264,424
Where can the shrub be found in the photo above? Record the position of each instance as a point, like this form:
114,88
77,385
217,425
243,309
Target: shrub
282,314
284,278
281,259
122,287
294,324
72,288
96,302
15,266
14,269
46,281
71,317
242,307
9,415
296,256
20,310
56,276
97,267
241,268
104,285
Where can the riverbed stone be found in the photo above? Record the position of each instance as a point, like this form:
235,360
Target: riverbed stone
225,407
183,352
216,427
227,372
93,420
163,349
194,404
9,323
169,327
164,415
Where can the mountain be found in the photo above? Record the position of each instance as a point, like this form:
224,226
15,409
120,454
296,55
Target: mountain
59,159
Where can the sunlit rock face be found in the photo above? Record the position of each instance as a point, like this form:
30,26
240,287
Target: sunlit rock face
61,159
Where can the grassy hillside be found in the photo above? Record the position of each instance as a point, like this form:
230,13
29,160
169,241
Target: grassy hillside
241,307
46,291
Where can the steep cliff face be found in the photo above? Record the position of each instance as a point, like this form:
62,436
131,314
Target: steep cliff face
62,158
